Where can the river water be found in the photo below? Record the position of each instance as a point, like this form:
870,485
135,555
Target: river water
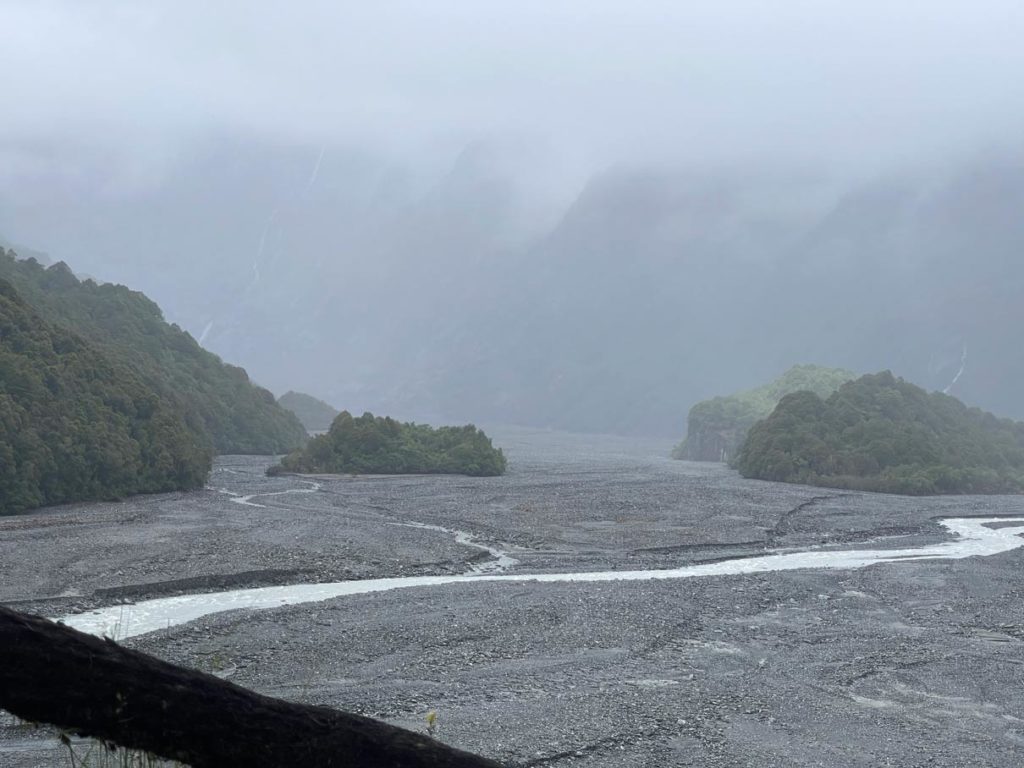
971,537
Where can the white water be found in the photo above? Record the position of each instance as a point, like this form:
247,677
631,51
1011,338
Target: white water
972,539
959,373
502,560
205,333
248,500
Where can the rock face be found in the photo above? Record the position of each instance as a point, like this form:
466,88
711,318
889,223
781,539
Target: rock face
710,442
716,428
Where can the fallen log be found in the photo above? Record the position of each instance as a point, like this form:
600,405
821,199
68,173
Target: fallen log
50,673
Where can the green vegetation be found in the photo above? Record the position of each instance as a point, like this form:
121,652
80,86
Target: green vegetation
379,445
880,433
315,415
716,428
76,425
23,252
129,329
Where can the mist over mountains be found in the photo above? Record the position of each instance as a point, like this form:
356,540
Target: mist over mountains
588,216
461,295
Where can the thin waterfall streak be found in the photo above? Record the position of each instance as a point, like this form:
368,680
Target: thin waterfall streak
205,333
963,365
315,173
271,219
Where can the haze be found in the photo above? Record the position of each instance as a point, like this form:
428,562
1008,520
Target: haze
577,215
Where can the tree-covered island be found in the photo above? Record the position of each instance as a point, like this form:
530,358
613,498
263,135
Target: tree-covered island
880,433
371,444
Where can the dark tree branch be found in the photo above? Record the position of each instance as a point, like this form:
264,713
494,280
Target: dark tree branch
50,673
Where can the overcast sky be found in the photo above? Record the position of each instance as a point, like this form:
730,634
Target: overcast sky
852,86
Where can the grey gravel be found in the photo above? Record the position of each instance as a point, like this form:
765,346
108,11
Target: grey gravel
910,664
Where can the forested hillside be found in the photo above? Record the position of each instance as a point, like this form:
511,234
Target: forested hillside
380,445
76,425
315,415
238,416
716,428
880,433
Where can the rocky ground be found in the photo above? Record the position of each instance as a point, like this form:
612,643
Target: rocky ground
910,664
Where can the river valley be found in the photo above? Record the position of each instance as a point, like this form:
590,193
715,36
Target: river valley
528,618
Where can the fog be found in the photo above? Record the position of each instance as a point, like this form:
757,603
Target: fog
578,215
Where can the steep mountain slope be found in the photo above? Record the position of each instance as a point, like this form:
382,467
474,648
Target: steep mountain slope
238,416
653,293
616,320
76,425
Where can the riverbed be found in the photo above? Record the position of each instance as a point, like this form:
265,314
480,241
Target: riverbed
912,661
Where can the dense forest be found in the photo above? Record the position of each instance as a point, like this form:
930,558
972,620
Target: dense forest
716,428
238,416
315,415
76,425
380,445
880,433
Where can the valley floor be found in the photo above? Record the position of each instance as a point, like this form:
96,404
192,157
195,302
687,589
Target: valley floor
909,664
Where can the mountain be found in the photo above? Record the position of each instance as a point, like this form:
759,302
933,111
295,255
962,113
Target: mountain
658,290
444,296
613,320
236,415
315,415
380,445
77,425
716,428
880,433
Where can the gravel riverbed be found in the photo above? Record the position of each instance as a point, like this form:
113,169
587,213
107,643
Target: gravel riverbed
906,664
